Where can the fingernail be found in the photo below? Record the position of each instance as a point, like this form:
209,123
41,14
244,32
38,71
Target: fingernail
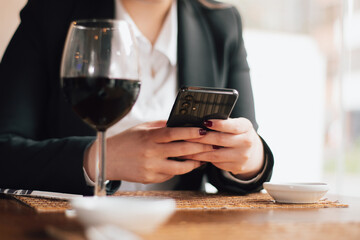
202,132
208,123
216,147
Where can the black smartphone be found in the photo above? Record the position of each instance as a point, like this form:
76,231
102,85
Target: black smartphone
194,105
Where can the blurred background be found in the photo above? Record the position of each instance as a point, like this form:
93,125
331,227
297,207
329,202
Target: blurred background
304,57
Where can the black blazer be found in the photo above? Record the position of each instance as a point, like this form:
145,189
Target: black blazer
42,141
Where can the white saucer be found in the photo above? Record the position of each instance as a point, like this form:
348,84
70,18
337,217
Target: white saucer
296,192
136,214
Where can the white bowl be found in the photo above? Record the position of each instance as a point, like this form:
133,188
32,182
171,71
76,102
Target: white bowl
296,192
136,214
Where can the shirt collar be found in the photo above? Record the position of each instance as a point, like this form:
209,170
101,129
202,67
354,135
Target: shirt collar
166,42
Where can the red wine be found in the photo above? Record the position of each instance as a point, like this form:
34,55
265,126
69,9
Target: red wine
101,101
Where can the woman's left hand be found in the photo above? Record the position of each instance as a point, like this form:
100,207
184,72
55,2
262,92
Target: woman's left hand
239,148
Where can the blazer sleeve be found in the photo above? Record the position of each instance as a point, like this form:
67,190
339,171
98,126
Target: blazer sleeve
29,158
238,77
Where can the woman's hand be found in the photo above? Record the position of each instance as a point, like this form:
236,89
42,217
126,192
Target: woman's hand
239,149
140,154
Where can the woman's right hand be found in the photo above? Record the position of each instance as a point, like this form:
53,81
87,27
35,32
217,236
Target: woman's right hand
140,154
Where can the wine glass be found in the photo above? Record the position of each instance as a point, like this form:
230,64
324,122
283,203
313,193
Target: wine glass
100,78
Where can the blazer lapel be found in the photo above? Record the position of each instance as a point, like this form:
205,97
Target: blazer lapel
196,56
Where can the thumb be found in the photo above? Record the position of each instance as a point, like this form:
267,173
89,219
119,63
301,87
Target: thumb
156,124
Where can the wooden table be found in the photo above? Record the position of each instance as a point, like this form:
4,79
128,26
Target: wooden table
18,221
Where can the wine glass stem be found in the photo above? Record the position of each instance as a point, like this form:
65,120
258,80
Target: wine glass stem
100,189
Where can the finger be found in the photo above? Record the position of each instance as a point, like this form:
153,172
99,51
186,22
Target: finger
164,135
221,155
171,167
156,124
224,139
231,125
176,149
222,160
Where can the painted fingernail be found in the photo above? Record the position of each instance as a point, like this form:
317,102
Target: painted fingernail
216,147
208,123
202,132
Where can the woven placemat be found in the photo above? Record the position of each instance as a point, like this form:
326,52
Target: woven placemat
44,204
189,200
200,200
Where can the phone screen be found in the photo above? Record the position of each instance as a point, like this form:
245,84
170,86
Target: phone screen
194,105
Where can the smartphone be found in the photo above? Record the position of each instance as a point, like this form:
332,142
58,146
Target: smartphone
194,105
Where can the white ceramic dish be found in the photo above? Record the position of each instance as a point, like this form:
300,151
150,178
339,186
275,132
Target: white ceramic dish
296,192
136,214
